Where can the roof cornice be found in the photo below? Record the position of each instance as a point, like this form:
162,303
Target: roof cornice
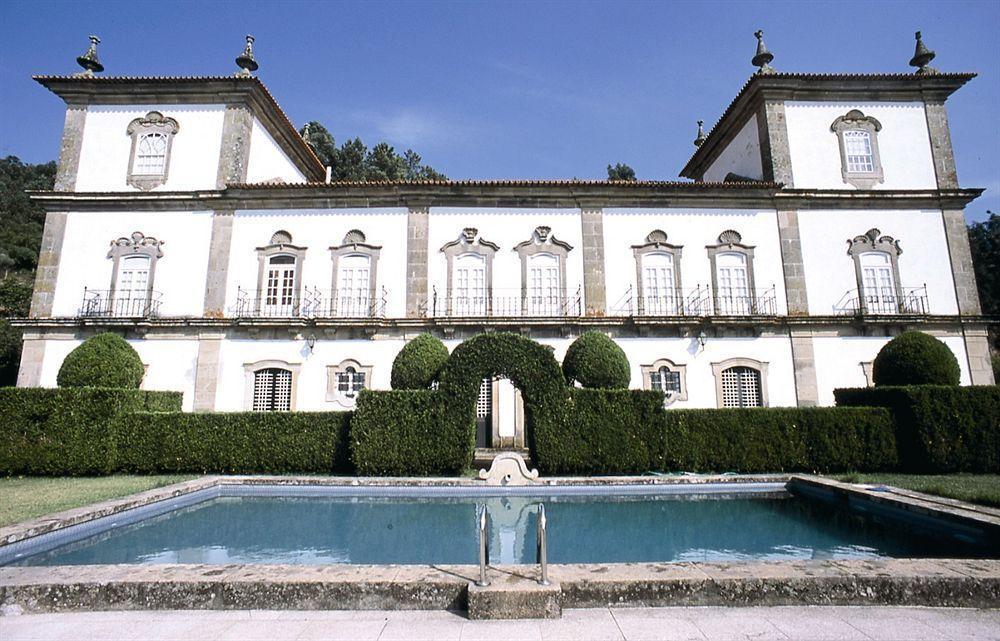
251,91
522,194
818,87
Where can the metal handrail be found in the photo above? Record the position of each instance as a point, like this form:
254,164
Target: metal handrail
541,551
484,545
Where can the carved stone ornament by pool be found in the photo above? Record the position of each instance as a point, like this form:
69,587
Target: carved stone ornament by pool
509,468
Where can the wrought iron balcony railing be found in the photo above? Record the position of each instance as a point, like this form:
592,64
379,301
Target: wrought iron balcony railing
735,303
697,302
121,303
503,303
884,301
312,303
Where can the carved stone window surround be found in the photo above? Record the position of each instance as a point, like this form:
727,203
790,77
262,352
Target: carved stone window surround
542,241
731,241
280,245
874,241
855,120
469,242
251,369
656,242
655,366
333,393
138,244
153,122
355,244
718,368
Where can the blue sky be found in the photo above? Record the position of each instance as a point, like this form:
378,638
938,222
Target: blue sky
507,89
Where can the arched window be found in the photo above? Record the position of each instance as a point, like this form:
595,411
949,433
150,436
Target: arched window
876,265
733,282
152,138
468,285
133,270
858,152
345,381
740,382
272,390
279,287
666,377
857,134
659,297
354,295
133,283
544,286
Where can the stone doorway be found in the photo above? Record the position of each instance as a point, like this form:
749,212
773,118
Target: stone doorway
499,415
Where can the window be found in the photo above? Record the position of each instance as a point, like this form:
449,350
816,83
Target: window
345,381
657,276
667,377
270,385
857,135
732,275
134,259
272,390
876,266
740,382
152,138
543,274
470,276
279,278
355,264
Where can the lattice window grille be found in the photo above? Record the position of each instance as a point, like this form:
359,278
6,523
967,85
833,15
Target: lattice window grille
484,404
272,390
741,387
151,155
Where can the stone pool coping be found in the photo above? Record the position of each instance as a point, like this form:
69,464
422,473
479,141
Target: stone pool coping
514,592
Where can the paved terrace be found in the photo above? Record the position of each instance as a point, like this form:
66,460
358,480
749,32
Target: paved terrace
713,624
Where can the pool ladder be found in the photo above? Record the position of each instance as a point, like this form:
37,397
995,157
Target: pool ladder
541,548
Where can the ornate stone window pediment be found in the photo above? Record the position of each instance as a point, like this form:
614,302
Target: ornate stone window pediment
860,161
733,288
543,273
133,271
876,269
470,273
152,139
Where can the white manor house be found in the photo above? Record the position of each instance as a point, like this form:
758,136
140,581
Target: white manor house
822,216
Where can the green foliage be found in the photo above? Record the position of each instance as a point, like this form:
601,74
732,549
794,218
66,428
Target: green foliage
404,433
608,432
596,361
621,171
68,432
233,442
779,439
21,231
915,358
530,366
104,360
419,363
354,161
984,242
939,428
15,301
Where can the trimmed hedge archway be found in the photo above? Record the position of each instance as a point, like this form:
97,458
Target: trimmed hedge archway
529,365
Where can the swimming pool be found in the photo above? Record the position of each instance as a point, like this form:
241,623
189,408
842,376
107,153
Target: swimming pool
311,525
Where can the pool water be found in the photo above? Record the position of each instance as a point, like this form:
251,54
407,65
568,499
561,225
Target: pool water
589,529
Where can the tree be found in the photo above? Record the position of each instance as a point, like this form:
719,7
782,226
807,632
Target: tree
984,241
915,358
596,361
621,172
103,360
353,161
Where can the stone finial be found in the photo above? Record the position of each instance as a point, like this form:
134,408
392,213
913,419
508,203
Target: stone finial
245,61
89,61
763,57
922,57
700,138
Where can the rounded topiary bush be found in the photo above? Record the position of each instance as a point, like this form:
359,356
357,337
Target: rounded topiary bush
915,358
596,361
105,360
418,364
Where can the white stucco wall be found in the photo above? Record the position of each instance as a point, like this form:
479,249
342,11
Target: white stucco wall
106,149
839,359
170,363
179,276
318,230
904,144
506,228
741,156
694,230
830,272
267,161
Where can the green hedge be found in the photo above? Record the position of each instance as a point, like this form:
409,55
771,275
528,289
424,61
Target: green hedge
233,442
779,439
68,432
419,363
104,360
404,433
607,432
939,428
597,362
915,358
